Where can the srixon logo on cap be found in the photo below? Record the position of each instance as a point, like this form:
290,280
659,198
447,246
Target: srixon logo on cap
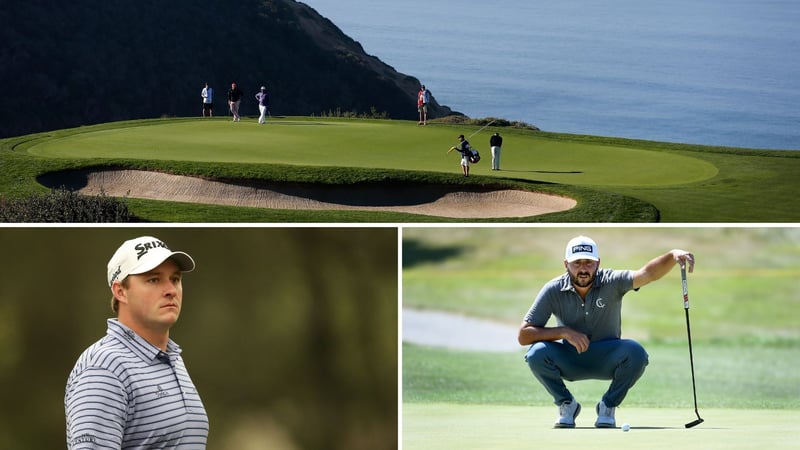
116,274
143,248
585,248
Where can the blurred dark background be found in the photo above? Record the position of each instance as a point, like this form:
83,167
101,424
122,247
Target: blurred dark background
290,334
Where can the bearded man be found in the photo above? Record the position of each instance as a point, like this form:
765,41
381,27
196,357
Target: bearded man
586,342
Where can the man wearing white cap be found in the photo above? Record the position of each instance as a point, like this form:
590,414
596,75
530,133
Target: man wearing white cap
263,104
586,343
131,388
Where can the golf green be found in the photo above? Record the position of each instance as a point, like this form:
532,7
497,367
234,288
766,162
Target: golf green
378,144
443,426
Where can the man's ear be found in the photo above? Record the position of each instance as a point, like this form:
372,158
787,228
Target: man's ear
119,292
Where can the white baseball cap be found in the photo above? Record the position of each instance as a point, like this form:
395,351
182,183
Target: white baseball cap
581,247
143,254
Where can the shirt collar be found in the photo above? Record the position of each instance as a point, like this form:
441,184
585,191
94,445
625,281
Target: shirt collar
137,344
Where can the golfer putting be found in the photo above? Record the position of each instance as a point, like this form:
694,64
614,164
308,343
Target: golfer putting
586,342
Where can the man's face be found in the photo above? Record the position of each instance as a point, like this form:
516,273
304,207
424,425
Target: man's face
153,299
582,271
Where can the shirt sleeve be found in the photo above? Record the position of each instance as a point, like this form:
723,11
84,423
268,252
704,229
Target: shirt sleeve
621,281
95,405
541,309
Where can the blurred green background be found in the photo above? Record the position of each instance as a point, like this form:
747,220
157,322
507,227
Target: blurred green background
290,334
743,287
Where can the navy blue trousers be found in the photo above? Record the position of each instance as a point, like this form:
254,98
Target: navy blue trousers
620,360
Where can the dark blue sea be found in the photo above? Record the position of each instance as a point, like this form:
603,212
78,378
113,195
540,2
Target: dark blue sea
715,72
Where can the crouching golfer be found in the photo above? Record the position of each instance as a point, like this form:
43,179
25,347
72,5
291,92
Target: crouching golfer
466,152
586,344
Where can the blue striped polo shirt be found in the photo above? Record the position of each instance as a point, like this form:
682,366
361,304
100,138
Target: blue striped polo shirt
125,393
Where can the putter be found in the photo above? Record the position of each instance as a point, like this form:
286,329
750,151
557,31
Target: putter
689,335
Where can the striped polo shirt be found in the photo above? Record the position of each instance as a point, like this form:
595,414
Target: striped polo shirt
126,393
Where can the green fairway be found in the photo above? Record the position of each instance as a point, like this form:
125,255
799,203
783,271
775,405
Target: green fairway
615,180
442,426
746,344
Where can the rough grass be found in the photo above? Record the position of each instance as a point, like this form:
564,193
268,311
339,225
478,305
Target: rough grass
61,205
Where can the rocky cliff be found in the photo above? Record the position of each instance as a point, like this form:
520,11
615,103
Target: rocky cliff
66,64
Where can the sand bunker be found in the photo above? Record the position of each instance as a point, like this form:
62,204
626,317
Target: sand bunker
440,201
442,329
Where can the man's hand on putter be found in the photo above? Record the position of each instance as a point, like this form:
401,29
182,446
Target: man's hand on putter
684,258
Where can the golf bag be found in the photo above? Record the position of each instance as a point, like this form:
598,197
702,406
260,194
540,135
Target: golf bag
475,156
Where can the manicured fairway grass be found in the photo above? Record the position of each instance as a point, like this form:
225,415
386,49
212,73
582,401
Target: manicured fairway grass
685,183
728,375
747,394
442,426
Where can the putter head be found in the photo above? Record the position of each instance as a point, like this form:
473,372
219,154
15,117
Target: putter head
694,423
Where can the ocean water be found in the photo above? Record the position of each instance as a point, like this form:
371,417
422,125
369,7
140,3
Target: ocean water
715,72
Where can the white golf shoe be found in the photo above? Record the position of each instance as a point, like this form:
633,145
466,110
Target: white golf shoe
605,416
567,412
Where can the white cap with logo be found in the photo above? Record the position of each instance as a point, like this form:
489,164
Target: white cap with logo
143,254
581,247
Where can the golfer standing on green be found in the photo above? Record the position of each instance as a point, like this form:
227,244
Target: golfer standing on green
423,98
496,144
585,343
208,100
234,100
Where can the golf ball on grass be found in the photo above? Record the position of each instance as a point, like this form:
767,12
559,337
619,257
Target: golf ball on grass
625,427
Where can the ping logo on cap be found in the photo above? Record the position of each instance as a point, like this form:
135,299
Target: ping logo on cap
583,248
143,248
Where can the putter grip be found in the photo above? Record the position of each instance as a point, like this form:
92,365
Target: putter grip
685,287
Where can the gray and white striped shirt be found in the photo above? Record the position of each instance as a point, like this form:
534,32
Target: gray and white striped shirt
125,393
